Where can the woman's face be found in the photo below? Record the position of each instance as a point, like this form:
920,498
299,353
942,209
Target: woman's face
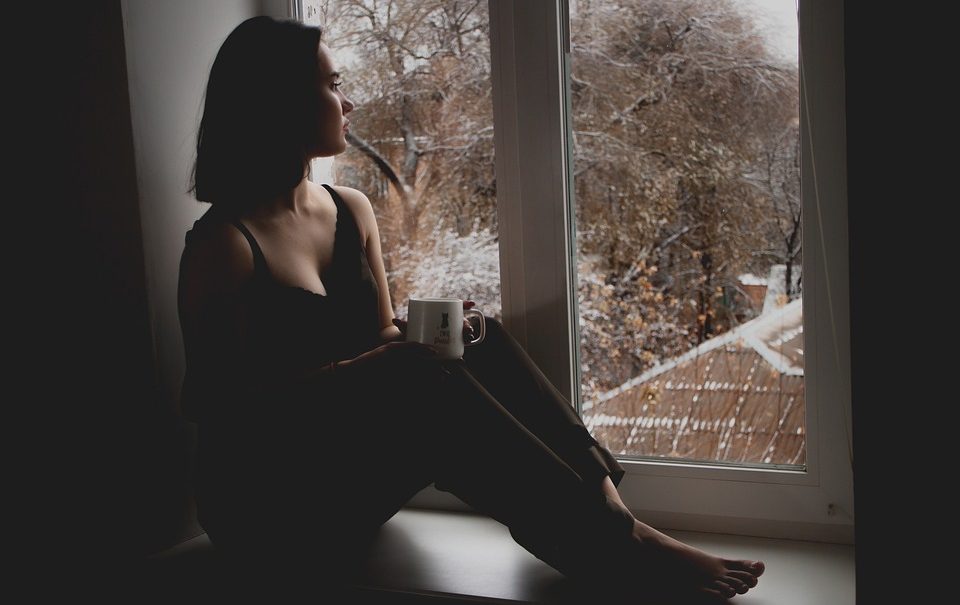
333,107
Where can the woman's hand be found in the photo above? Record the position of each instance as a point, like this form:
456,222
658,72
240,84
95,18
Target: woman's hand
468,333
397,351
402,326
391,333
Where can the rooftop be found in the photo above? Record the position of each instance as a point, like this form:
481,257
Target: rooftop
738,397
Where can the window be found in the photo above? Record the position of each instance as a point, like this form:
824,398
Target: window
536,228
686,161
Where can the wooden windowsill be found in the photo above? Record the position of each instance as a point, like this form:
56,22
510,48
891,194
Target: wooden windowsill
431,556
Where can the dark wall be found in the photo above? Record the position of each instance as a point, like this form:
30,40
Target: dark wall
900,65
121,458
859,194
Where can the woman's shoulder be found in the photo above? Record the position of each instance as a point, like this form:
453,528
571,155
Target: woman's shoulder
354,197
216,260
360,206
216,234
213,223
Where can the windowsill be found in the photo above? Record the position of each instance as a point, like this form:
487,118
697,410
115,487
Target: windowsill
429,556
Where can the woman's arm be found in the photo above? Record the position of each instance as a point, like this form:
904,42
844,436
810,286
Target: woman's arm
214,269
370,234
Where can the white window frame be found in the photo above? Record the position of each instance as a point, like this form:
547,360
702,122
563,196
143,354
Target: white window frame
530,66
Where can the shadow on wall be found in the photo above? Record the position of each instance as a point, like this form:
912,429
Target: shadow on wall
123,457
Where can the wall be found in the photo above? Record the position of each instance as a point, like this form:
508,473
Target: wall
903,368
117,88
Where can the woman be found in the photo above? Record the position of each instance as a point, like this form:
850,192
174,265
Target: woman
302,384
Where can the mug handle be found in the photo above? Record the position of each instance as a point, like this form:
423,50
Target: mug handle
483,326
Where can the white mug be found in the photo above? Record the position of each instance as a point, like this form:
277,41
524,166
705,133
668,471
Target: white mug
438,322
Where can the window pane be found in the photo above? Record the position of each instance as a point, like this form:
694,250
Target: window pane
421,141
687,183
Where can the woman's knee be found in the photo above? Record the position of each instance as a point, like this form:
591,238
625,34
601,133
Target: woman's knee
493,325
492,348
493,328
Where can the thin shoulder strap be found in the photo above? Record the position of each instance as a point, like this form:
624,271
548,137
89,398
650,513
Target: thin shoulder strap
348,250
259,262
342,209
336,196
346,223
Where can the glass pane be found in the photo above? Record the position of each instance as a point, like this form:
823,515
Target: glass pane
687,182
421,141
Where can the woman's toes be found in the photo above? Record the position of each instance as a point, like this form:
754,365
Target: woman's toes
723,588
754,567
744,576
736,584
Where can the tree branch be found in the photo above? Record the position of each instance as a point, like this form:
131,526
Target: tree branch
381,163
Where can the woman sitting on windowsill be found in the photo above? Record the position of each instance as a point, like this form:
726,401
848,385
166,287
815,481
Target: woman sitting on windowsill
317,420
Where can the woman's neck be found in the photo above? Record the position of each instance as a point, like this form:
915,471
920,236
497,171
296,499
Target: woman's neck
295,201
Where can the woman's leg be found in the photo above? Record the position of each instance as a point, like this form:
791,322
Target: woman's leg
502,366
421,420
505,369
436,422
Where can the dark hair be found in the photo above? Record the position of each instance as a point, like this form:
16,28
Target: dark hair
259,114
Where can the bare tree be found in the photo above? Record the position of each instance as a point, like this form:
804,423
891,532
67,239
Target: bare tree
424,121
674,102
777,176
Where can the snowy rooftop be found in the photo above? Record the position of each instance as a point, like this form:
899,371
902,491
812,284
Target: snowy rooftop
738,397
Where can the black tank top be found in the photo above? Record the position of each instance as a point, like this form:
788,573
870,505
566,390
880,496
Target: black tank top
294,326
292,329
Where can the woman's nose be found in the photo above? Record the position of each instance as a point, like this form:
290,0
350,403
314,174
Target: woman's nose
347,105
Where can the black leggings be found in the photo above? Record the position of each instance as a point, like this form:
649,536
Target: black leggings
490,429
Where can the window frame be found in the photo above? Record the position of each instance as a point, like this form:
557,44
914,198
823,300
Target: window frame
530,68
814,504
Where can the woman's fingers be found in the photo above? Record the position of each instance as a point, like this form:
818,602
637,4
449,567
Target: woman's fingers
468,332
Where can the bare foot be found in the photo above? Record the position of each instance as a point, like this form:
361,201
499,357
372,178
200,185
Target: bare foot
686,565
626,559
674,563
